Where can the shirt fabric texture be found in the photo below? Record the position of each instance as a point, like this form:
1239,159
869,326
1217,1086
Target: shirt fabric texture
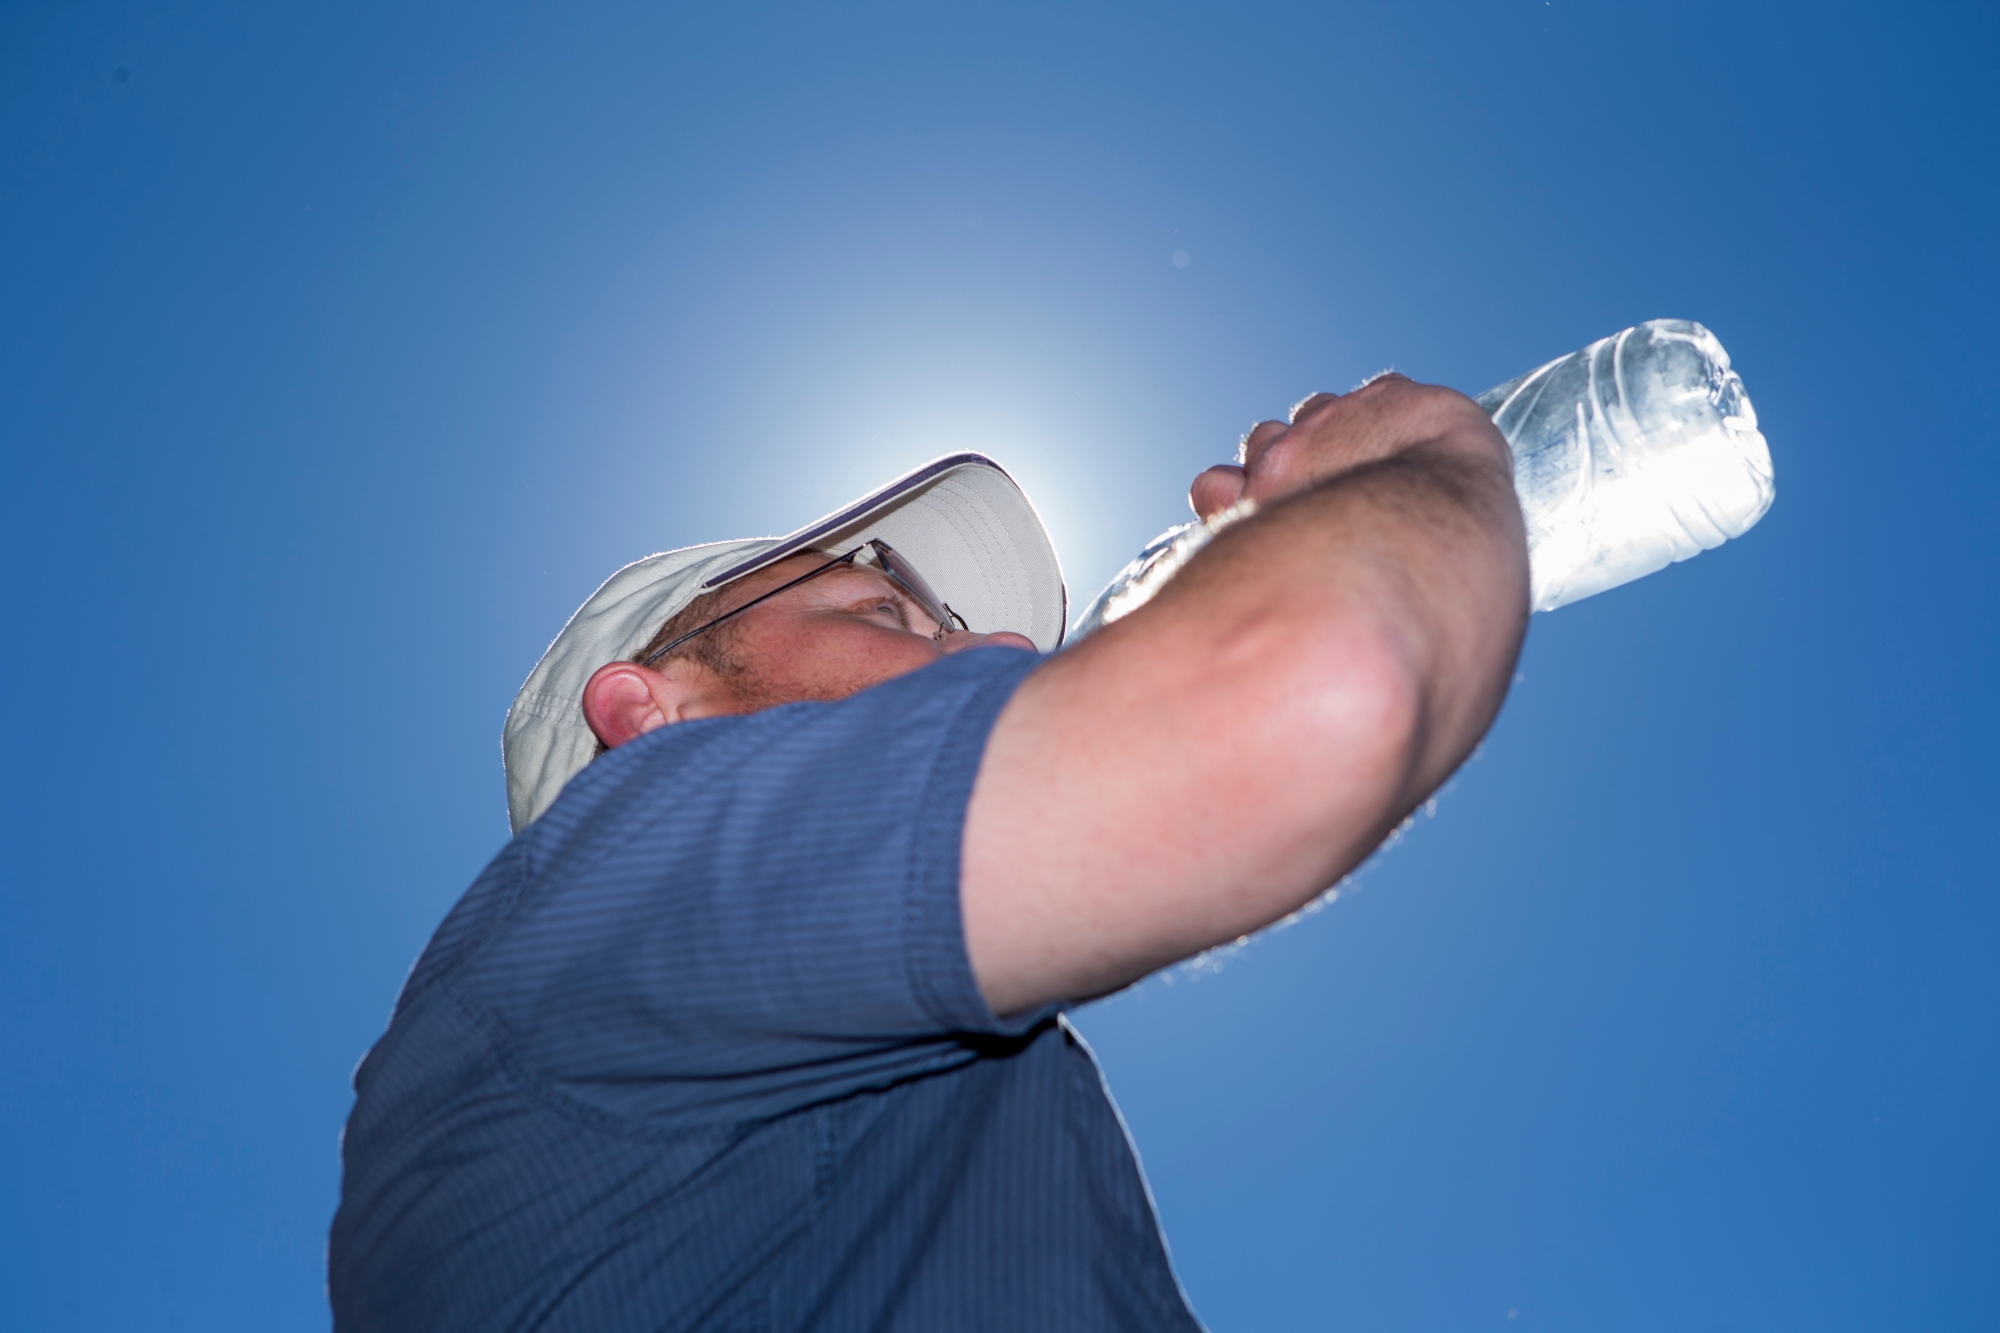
702,1049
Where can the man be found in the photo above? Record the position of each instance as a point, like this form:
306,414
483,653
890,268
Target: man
756,1024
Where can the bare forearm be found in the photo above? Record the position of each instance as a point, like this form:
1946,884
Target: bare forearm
1208,763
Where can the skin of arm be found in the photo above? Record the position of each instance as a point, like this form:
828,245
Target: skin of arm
1211,762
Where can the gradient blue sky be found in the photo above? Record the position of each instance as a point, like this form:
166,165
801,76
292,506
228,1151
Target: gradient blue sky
344,349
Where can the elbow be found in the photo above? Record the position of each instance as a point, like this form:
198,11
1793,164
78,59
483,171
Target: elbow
1354,715
1374,710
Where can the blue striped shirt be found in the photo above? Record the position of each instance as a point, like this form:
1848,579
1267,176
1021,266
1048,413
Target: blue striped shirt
702,1049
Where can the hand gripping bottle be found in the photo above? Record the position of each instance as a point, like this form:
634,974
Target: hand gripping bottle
1640,450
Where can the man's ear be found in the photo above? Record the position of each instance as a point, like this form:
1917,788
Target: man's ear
622,700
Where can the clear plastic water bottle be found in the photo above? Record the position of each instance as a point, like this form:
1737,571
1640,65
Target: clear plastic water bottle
1640,450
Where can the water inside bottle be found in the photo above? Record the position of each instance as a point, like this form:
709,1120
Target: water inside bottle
1640,450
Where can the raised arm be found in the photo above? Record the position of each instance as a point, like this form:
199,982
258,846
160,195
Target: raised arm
1212,761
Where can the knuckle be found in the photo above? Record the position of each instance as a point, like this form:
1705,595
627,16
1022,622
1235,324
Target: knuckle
1384,381
1312,405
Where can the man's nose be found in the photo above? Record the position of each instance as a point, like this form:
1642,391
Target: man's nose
958,641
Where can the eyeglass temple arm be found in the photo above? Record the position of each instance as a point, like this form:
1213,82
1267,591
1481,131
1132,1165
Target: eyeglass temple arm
662,651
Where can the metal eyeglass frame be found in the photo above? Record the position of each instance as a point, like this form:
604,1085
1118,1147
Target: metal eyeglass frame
900,571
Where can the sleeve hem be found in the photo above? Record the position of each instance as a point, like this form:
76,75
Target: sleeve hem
934,951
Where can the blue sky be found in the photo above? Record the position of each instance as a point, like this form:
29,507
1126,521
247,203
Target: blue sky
343,350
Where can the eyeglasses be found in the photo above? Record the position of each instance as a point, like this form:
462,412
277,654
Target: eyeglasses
900,571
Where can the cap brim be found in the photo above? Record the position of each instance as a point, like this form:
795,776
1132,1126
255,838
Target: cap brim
968,528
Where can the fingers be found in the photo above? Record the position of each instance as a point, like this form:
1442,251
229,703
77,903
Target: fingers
1331,432
1320,401
1306,405
1258,440
1216,489
1222,485
1382,376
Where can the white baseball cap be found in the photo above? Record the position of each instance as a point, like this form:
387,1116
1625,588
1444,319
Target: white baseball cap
960,520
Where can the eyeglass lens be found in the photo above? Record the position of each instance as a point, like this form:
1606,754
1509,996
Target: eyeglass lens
906,574
893,564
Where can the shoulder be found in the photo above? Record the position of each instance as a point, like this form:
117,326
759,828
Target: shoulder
895,729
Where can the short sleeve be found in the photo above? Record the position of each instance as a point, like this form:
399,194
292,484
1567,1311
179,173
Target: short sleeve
730,918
